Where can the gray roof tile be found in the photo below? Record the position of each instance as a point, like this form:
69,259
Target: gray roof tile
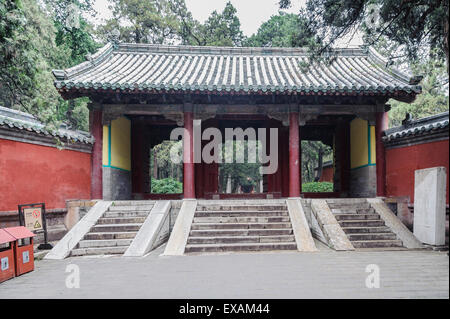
24,121
418,127
187,68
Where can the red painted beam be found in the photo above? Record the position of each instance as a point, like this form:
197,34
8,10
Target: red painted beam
294,155
188,156
381,125
97,169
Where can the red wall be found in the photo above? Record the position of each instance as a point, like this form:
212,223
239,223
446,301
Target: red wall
402,162
32,173
327,174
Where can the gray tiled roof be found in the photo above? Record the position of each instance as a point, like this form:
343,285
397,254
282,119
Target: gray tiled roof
418,127
23,121
160,68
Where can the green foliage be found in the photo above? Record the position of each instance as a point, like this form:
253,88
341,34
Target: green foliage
414,25
165,166
31,45
166,186
76,40
312,153
150,21
25,51
221,29
241,174
317,187
283,30
434,98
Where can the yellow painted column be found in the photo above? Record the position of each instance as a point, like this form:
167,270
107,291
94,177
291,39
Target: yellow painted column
362,144
117,144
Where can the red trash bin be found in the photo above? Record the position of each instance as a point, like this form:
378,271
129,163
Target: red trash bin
7,264
23,249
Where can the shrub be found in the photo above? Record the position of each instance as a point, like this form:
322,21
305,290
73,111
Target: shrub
317,187
166,186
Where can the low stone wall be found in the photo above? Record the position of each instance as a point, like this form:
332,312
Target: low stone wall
116,184
363,182
59,221
404,210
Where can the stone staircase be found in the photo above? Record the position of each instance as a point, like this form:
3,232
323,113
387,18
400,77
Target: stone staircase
232,226
362,225
115,230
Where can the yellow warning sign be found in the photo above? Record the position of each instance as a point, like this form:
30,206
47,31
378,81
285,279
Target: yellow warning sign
33,218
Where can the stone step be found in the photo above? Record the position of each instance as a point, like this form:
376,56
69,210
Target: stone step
133,202
240,239
237,207
364,230
353,211
110,235
376,243
192,248
371,236
248,213
356,216
350,206
241,232
200,226
130,208
220,219
116,228
361,223
347,201
104,243
121,220
142,213
99,251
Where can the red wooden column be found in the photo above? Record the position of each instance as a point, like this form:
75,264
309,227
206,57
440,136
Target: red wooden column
380,126
96,158
188,155
294,155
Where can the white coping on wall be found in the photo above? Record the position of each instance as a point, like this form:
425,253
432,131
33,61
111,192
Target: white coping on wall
63,248
302,233
147,236
180,233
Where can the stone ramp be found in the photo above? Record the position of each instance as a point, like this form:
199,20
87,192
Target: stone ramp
115,230
362,224
239,226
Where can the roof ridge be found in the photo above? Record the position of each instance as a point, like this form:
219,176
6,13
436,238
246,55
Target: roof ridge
376,57
162,48
31,123
428,120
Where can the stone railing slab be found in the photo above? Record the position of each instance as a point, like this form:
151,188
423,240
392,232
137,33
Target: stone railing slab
331,229
395,224
63,248
148,236
180,232
302,233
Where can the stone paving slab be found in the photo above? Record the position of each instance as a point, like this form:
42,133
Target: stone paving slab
322,274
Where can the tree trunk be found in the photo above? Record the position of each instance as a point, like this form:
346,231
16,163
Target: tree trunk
155,165
446,41
320,166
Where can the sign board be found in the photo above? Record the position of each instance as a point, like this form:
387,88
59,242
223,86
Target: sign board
5,263
25,256
33,218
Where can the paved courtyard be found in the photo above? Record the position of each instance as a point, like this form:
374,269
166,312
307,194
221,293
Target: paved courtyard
324,274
